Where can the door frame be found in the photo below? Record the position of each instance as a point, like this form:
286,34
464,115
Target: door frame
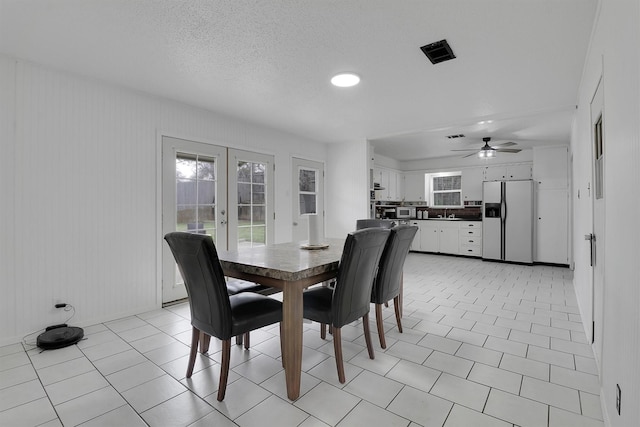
597,226
296,220
234,154
167,181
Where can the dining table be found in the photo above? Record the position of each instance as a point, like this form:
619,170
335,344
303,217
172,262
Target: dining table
291,267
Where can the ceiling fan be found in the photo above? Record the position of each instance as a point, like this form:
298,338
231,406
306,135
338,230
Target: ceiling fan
490,151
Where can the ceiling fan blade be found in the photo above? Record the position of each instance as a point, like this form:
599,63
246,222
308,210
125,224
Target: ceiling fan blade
508,150
468,155
505,144
466,149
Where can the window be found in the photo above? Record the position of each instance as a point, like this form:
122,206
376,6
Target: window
252,205
445,189
307,190
599,158
196,194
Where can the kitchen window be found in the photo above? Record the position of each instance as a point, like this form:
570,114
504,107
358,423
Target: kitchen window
444,189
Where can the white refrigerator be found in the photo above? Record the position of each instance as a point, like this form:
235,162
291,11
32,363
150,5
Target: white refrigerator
507,221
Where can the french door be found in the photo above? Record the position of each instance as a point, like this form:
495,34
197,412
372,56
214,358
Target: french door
213,190
251,199
194,199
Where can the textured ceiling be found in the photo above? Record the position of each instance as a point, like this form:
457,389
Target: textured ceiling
519,62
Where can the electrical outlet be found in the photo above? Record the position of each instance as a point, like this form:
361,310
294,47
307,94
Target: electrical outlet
618,398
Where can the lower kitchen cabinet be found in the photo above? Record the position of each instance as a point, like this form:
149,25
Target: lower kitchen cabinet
449,237
471,238
429,241
448,240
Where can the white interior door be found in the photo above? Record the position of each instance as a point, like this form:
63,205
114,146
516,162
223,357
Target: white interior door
251,199
194,199
307,197
598,233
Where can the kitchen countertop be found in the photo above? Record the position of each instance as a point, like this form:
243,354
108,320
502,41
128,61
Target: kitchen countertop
448,219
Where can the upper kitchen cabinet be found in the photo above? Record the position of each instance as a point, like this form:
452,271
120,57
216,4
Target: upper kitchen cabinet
414,186
551,167
472,183
391,183
508,172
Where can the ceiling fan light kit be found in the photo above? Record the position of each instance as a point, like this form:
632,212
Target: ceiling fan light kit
487,151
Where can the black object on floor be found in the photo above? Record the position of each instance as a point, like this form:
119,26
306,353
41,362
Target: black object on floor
59,336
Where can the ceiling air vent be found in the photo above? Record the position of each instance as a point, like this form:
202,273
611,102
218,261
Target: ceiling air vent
455,136
438,51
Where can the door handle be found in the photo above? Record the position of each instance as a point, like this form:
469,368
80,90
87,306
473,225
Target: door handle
592,247
223,222
295,223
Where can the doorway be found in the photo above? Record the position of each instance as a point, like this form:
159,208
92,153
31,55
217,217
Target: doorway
597,236
194,199
307,197
251,196
199,183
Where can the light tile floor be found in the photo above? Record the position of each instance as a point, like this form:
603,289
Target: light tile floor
484,344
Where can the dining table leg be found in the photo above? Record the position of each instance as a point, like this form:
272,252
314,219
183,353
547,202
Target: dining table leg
292,338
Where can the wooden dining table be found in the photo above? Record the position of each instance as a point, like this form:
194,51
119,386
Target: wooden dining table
291,268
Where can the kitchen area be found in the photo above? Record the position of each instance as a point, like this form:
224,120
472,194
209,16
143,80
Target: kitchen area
512,212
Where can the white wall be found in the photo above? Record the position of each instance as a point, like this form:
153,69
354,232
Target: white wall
615,54
80,187
347,187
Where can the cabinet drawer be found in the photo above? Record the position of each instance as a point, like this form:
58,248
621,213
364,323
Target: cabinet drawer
470,232
471,224
475,250
470,241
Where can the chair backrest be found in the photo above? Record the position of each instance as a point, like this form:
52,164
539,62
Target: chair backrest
371,223
389,276
360,258
200,267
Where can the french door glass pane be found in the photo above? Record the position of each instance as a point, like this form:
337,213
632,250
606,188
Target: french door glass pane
307,204
251,204
307,190
196,194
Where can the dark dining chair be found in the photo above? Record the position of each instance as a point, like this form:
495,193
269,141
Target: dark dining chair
388,283
213,311
349,300
371,223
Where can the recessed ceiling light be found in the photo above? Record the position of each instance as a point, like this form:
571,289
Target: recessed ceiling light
345,80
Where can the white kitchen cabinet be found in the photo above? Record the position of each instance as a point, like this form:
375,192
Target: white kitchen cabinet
508,172
413,187
471,238
415,244
429,236
551,167
449,239
390,182
472,179
552,245
439,236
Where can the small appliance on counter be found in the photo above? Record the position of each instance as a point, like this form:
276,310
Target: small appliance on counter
405,212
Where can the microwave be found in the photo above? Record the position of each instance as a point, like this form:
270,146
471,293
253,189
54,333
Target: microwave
404,212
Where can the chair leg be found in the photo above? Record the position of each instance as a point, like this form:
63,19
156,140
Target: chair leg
246,340
195,340
337,348
396,304
204,342
239,339
323,331
367,335
224,369
281,344
380,325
